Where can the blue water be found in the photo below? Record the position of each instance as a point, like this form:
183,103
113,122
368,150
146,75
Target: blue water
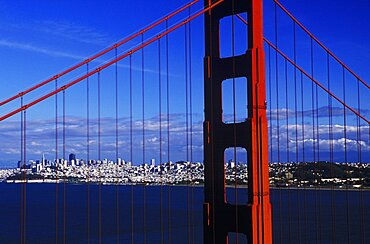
341,216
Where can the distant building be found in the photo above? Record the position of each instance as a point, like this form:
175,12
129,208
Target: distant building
232,164
37,168
65,163
152,162
72,156
21,164
43,161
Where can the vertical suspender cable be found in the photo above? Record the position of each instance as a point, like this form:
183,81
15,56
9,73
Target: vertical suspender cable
160,140
188,126
359,148
100,164
191,129
88,150
132,186
296,124
117,166
345,152
278,122
270,101
56,162
287,112
187,130
287,147
64,171
303,156
362,220
314,138
318,157
25,176
331,159
312,104
143,130
22,162
168,133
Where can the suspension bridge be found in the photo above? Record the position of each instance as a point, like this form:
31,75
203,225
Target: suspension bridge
214,89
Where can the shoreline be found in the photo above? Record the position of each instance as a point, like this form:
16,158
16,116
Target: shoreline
62,181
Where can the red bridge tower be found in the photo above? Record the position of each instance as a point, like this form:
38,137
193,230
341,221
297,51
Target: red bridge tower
221,217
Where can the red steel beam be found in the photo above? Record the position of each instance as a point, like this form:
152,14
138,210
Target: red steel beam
320,43
100,68
259,191
100,53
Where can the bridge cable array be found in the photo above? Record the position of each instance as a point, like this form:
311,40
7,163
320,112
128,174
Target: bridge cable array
305,140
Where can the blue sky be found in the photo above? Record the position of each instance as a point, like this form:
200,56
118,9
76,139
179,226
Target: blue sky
39,39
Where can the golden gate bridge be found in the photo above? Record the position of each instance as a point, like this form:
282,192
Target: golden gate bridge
285,99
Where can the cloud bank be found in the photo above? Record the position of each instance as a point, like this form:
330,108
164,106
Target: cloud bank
184,142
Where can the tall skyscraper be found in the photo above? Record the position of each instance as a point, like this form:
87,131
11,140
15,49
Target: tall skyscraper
43,161
72,157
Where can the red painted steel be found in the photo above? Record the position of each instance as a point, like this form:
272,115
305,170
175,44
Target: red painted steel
100,53
259,191
100,68
220,217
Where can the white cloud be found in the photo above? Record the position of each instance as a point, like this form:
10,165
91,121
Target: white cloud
318,137
40,137
322,112
66,30
72,31
32,48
